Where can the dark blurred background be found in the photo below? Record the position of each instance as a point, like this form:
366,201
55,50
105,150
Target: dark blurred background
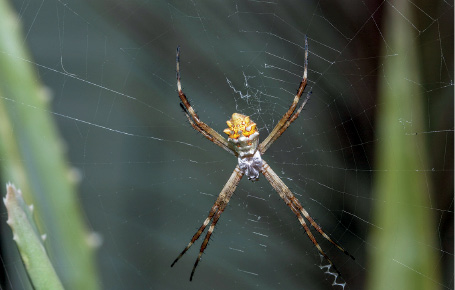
148,179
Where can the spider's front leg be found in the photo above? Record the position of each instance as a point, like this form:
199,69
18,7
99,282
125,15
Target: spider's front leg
214,215
291,114
193,118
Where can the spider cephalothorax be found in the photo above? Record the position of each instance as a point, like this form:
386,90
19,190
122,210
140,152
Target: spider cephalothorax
240,125
242,135
243,142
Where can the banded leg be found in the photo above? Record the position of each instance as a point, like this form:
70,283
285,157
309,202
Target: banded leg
193,118
288,122
285,121
294,204
214,215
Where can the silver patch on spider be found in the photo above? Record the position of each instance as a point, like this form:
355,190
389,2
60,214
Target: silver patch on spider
245,146
251,166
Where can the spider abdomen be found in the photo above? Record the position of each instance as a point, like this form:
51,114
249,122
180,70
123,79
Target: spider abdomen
251,166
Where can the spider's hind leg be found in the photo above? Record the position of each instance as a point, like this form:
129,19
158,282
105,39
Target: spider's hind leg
206,240
214,215
293,203
319,229
198,233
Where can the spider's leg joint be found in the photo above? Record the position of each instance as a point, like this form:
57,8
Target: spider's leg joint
183,108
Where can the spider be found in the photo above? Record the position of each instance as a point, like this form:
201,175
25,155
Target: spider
243,142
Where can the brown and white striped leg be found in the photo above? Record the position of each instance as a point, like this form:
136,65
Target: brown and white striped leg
285,121
294,204
199,232
204,133
214,215
193,118
206,240
288,122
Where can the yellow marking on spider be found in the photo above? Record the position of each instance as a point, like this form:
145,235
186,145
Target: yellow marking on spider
240,125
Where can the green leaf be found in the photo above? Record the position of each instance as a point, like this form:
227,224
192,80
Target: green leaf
29,242
32,156
403,255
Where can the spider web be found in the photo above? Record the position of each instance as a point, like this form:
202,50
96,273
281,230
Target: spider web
148,179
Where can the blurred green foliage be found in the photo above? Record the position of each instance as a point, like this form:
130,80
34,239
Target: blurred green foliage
30,243
403,256
32,157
